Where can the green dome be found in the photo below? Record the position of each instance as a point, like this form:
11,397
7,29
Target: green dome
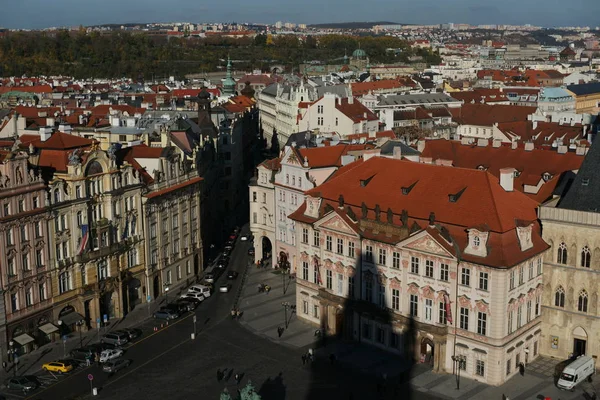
359,53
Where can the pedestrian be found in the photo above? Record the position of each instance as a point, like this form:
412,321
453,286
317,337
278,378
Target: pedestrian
237,378
88,360
310,355
303,359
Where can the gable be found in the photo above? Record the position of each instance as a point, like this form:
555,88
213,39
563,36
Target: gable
291,157
335,222
425,243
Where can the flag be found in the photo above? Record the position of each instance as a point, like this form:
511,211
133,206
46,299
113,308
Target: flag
319,281
85,235
448,310
125,229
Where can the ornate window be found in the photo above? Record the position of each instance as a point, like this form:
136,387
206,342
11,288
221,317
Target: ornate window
582,302
561,257
586,257
559,297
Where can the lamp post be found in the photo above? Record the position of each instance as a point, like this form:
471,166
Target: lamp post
12,355
166,293
80,325
62,337
286,305
459,361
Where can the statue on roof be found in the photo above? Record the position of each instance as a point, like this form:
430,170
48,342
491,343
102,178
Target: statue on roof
75,157
112,151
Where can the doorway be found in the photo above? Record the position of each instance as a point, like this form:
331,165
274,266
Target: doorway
156,287
579,347
427,349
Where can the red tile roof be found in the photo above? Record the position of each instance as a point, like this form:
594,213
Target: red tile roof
355,110
273,164
28,89
63,141
482,202
544,134
329,156
489,114
361,88
479,95
531,164
104,110
173,188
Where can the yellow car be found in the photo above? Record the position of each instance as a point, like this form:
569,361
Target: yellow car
58,366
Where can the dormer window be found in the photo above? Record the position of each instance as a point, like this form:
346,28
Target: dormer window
476,241
547,176
482,168
585,182
517,173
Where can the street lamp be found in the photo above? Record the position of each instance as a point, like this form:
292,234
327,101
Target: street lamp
63,338
80,325
459,361
12,355
286,305
166,293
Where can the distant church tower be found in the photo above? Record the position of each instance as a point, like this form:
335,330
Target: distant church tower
229,83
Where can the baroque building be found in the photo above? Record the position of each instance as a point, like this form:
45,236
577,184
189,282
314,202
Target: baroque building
434,263
26,301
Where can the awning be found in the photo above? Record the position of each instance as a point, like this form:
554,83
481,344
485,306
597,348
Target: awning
71,318
48,328
23,339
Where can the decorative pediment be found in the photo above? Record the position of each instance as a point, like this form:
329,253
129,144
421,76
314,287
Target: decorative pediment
395,283
477,242
312,206
335,222
291,157
413,288
524,236
428,292
482,306
425,243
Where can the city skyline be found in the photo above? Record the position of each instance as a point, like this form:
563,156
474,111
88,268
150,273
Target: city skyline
73,13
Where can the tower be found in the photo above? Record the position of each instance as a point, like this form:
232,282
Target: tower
229,82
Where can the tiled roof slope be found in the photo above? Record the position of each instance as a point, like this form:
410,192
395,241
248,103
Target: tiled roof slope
488,114
584,193
531,164
483,204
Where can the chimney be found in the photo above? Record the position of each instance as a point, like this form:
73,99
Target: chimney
351,100
45,133
507,176
365,115
397,152
371,153
496,143
562,149
580,151
534,124
528,146
421,146
514,145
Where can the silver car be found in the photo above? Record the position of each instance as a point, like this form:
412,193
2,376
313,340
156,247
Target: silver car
115,338
115,365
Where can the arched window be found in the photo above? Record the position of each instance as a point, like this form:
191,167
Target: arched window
559,297
561,257
582,302
586,257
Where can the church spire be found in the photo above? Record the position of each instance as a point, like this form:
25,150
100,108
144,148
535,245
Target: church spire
229,82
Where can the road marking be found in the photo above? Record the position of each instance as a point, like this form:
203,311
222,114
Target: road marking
139,341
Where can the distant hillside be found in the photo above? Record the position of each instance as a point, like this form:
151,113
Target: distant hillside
352,25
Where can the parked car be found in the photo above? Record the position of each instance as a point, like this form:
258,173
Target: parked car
82,353
176,307
192,295
189,305
108,355
24,383
210,277
115,338
226,252
165,314
232,275
133,333
251,251
245,237
224,288
204,290
115,365
223,262
576,372
58,366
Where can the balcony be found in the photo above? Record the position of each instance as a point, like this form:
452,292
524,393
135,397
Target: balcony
101,252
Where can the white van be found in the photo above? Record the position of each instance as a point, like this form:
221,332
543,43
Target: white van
576,372
203,290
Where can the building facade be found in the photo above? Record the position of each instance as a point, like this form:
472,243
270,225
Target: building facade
423,282
26,304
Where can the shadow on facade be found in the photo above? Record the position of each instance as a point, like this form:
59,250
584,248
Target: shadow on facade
355,333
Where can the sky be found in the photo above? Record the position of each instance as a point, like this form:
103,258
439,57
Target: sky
35,14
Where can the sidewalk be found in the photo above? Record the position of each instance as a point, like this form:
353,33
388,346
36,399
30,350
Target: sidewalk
31,363
263,313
